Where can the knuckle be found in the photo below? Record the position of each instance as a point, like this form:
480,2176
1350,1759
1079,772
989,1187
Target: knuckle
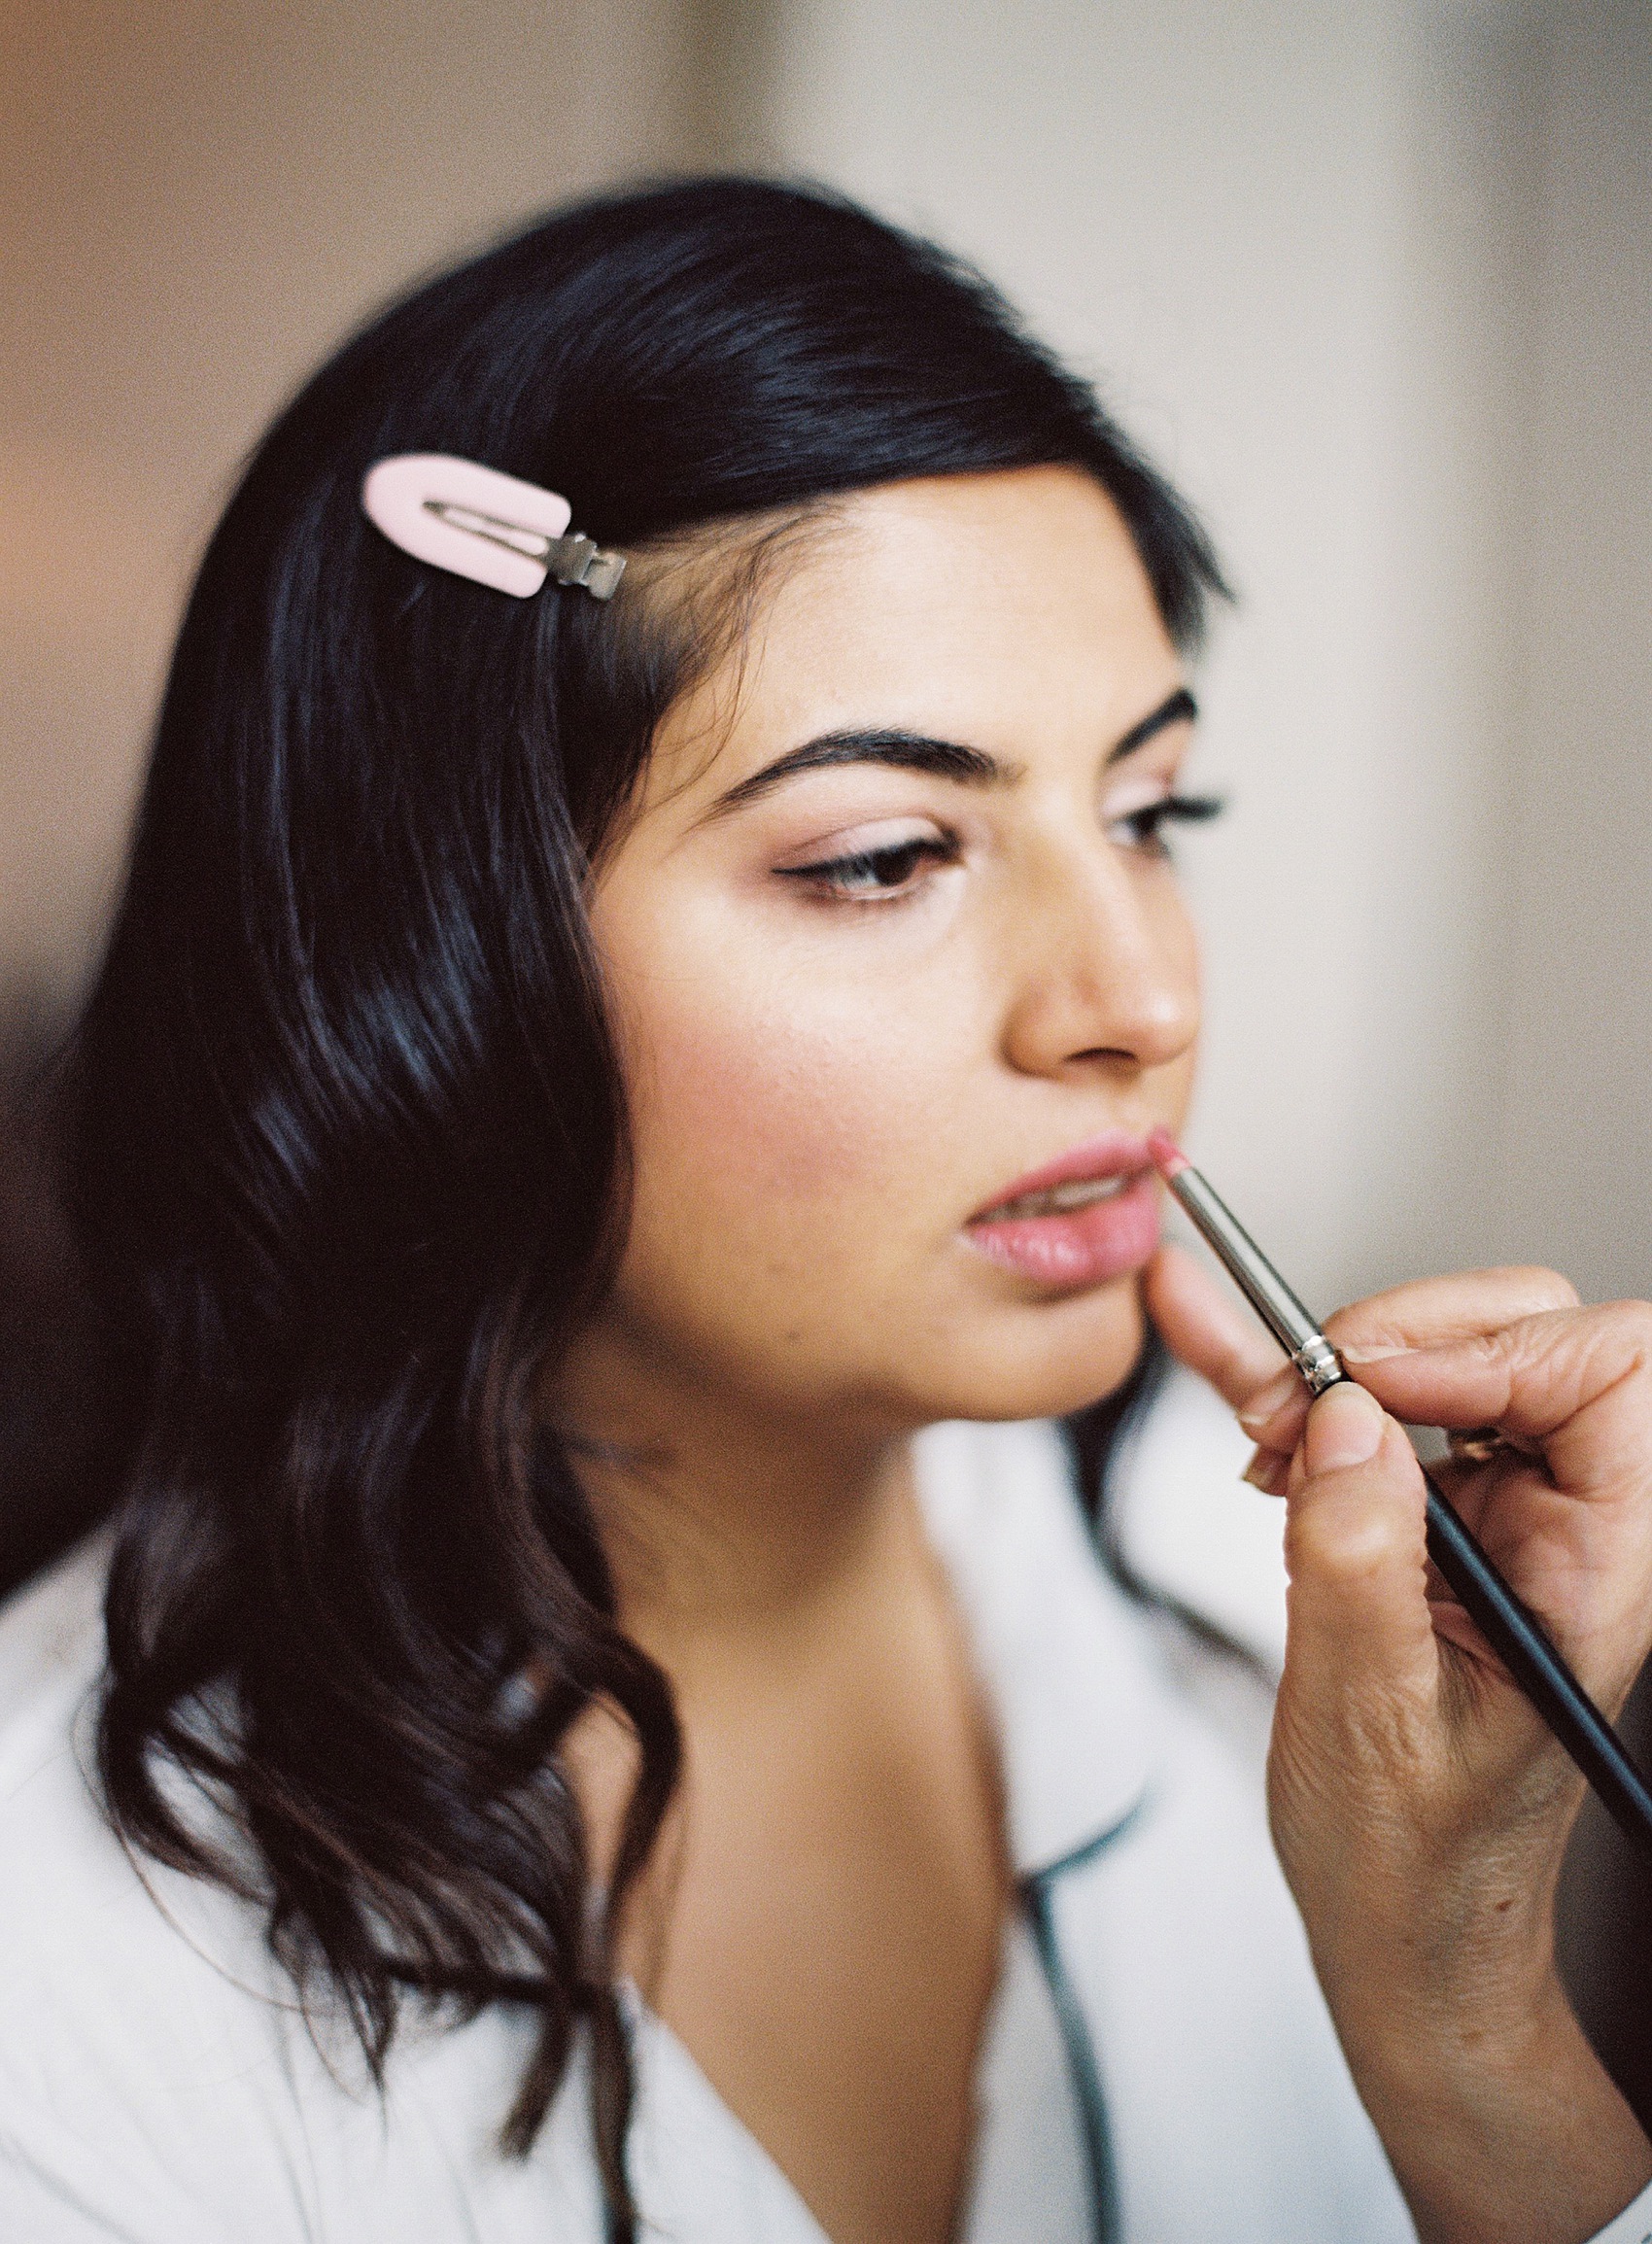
1489,1350
1598,1346
1541,1289
1621,1334
1633,1320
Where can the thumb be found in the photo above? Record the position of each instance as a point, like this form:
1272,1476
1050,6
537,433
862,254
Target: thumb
1198,1321
1356,1552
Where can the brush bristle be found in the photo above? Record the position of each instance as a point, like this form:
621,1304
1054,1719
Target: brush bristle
1168,1158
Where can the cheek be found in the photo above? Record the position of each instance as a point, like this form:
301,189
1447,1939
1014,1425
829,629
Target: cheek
783,1153
753,1104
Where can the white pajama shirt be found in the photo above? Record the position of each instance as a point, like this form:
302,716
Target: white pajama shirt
159,2086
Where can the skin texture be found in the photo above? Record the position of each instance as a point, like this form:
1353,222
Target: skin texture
825,1087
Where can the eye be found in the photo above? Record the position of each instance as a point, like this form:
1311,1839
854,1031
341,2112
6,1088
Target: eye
1142,829
876,875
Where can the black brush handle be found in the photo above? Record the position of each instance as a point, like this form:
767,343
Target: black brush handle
1522,1643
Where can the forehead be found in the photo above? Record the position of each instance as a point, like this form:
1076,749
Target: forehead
998,609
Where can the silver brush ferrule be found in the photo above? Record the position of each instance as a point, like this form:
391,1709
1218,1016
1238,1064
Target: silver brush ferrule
1319,1364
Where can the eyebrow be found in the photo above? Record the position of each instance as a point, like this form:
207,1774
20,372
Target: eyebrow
942,759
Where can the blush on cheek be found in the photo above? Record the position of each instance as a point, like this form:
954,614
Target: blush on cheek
766,1108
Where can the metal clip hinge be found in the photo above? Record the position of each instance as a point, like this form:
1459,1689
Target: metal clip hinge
577,560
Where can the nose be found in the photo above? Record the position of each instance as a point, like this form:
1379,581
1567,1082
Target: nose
1103,964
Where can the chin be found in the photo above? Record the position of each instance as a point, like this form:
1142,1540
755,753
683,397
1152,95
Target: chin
1045,1360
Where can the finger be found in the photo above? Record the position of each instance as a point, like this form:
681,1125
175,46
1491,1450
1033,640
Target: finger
1276,1414
1427,1312
1579,1382
1269,1472
1573,1533
1356,1552
1206,1328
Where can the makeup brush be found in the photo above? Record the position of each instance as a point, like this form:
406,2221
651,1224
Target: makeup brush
1512,1629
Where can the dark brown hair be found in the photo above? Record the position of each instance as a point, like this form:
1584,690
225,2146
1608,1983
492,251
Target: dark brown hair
350,1155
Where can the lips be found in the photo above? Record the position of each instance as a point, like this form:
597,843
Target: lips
1087,1217
1060,1199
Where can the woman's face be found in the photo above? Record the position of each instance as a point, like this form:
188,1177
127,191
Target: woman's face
890,933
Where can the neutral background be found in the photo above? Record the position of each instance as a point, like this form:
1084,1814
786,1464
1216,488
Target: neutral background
1373,278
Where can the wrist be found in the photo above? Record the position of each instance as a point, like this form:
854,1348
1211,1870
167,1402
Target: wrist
1501,2135
1467,2001
1433,1970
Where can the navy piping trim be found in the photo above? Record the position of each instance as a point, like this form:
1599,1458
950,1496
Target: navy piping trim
1082,2066
1079,1855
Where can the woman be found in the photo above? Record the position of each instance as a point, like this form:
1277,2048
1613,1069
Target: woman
575,1087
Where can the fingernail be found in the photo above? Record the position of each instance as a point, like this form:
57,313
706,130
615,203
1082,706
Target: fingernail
1372,1355
1268,1402
1345,1427
1280,1429
1266,1472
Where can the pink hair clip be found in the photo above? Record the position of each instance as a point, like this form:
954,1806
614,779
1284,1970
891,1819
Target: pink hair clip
477,523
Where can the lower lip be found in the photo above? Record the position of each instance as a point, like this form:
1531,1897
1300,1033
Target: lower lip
1085,1248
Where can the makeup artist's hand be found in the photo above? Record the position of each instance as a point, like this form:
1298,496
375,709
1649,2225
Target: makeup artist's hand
1420,1808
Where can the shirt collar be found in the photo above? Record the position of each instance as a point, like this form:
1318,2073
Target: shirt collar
1061,1655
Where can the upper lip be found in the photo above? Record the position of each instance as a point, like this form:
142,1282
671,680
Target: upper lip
1114,1153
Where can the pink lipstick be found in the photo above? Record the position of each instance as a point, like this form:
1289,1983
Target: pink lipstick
1089,1214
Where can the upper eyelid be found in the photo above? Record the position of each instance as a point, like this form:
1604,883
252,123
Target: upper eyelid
1153,779
870,838
1154,766
1137,793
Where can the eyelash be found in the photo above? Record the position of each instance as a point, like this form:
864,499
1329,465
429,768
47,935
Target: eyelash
1150,821
855,879
836,876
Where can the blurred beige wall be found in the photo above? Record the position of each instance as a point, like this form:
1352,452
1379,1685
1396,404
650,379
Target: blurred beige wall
1578,1056
197,197
1373,278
